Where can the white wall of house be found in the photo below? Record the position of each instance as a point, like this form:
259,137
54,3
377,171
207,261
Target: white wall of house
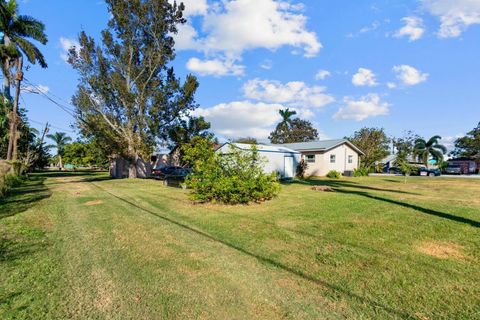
274,161
341,158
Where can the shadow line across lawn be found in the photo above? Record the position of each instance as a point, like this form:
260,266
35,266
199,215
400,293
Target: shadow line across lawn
24,197
265,260
340,186
431,212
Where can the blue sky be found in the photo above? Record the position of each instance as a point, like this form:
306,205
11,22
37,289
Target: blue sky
342,64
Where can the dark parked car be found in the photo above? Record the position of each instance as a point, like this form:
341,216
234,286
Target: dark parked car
393,170
453,169
170,173
429,172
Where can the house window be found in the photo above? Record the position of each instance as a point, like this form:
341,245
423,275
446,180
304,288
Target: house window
350,159
310,158
333,158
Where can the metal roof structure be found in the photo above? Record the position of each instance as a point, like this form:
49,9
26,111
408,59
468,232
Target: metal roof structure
320,145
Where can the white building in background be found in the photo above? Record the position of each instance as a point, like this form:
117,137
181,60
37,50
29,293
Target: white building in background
277,158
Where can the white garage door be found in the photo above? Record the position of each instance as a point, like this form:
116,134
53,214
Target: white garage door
289,168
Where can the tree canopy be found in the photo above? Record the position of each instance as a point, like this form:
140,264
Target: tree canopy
373,142
129,97
292,130
469,145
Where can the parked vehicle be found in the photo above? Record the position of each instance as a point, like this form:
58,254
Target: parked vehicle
453,169
429,172
170,172
394,170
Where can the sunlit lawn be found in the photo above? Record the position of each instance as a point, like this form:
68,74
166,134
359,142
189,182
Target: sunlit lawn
82,246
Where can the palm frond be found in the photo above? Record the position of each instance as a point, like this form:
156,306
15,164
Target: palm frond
31,51
29,27
433,140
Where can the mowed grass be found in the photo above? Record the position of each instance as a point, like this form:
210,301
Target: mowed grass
80,246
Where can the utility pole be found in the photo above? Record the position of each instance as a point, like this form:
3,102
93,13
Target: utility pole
12,152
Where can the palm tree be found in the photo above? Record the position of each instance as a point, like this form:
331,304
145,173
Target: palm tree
60,139
424,149
287,115
15,29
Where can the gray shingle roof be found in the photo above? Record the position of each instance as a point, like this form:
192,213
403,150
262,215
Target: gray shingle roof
320,145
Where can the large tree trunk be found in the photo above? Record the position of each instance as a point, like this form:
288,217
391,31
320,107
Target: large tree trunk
12,142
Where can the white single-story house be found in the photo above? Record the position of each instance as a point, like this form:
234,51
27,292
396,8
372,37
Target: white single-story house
277,158
326,155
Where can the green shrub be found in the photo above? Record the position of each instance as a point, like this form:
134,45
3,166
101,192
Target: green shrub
334,175
233,178
360,172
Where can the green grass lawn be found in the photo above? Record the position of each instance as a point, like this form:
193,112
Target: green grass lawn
80,246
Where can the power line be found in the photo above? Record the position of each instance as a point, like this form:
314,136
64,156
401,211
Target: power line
50,125
41,92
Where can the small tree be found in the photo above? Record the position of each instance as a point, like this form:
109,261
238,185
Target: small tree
374,143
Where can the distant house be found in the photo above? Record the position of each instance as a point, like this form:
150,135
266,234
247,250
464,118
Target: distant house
278,158
390,162
467,165
326,155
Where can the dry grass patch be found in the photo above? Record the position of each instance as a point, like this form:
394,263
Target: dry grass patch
323,188
93,203
441,249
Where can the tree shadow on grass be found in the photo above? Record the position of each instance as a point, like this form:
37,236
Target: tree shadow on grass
431,212
347,184
268,261
24,197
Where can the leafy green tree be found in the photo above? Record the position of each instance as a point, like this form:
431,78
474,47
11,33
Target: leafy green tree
129,97
424,149
469,145
374,143
185,131
405,145
60,140
82,154
15,32
246,140
292,130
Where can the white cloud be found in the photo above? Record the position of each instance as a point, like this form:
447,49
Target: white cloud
215,67
413,29
194,7
391,85
295,93
66,44
364,77
35,89
410,76
358,110
455,15
267,24
246,118
275,24
322,74
374,26
242,118
267,64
